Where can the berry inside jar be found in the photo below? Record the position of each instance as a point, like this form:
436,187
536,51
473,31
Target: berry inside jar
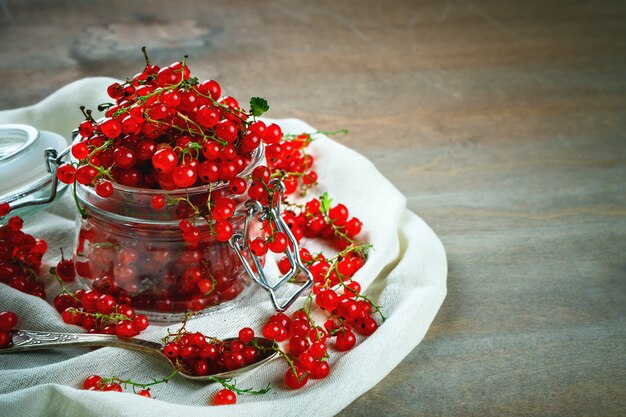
161,183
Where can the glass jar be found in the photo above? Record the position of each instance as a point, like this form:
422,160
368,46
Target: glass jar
125,247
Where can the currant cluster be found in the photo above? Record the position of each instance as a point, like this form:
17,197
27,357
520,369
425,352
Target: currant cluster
166,130
100,313
8,321
202,355
334,292
290,159
98,383
340,296
20,256
228,395
306,351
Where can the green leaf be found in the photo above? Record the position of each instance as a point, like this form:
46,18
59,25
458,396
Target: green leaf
258,106
325,202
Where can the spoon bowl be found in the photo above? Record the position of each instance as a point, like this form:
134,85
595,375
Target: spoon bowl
26,340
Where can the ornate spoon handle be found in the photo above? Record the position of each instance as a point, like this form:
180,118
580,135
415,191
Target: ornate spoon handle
24,340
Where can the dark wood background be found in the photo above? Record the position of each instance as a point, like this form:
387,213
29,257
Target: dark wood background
504,123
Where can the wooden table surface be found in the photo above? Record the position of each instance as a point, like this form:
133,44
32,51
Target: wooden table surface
503,122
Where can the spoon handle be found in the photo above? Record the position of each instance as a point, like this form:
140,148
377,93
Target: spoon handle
24,340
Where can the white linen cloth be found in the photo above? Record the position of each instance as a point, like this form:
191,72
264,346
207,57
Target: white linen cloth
406,274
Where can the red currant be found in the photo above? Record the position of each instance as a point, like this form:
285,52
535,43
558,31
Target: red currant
223,230
85,129
237,186
5,339
171,350
184,176
208,116
65,270
345,341
8,320
140,322
296,380
144,393
224,397
92,381
80,150
338,214
158,202
226,130
66,173
105,304
111,128
279,243
353,226
258,247
16,223
104,189
210,88
246,334
125,329
85,174
320,370
112,386
273,134
165,160
124,157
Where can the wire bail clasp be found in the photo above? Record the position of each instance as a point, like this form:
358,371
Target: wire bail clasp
239,242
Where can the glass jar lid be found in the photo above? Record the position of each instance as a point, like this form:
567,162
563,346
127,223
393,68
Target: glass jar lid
23,167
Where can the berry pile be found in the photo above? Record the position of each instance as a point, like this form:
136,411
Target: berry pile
306,347
163,273
20,256
201,355
306,343
8,321
166,130
92,310
100,313
318,219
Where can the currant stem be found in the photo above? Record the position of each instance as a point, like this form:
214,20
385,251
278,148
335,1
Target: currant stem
81,210
87,114
197,126
99,316
358,296
145,55
99,148
134,384
317,132
181,329
233,387
286,357
225,107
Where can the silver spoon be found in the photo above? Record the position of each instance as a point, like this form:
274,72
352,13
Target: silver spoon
25,340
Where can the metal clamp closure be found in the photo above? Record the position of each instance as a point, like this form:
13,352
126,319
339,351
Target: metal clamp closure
239,243
53,160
